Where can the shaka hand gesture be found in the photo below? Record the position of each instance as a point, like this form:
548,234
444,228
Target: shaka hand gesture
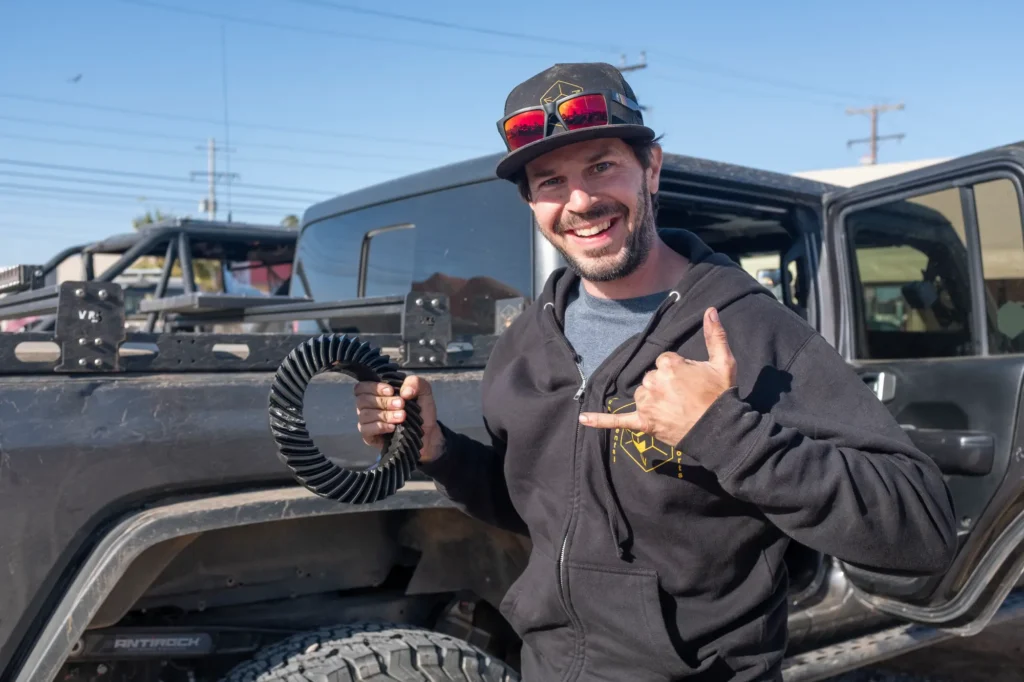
675,395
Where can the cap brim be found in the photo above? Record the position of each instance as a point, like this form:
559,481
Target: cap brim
514,161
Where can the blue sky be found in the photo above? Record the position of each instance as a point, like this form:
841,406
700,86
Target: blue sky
322,98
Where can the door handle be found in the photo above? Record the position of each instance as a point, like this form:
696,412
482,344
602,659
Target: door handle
883,384
958,453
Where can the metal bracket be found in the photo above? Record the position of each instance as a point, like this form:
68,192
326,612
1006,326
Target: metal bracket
426,329
90,326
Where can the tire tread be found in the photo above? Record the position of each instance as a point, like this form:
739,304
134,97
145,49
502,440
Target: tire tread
372,652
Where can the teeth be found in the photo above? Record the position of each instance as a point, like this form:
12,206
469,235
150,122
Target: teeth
596,229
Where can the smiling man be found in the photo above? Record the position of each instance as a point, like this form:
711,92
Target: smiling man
660,465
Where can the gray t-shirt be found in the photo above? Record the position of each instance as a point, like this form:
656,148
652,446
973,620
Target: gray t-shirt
597,326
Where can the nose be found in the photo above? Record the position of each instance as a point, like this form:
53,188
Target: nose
580,200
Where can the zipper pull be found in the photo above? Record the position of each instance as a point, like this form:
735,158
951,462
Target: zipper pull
583,382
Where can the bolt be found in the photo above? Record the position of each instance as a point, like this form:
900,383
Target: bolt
97,362
433,359
103,294
82,341
436,302
419,301
97,341
101,669
433,342
81,362
79,293
422,359
423,342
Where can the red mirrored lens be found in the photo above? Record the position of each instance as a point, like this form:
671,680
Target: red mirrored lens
584,112
524,128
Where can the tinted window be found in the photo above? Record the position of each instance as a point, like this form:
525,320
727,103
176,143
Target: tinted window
911,278
1002,261
472,243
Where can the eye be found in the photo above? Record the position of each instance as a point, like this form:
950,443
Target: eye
602,166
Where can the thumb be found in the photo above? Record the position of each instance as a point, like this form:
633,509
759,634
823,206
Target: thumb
603,420
719,353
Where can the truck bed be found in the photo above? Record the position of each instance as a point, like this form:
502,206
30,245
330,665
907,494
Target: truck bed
78,452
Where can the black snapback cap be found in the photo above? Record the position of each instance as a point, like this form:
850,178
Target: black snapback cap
562,80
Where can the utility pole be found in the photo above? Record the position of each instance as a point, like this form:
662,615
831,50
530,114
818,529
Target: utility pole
209,204
642,64
873,140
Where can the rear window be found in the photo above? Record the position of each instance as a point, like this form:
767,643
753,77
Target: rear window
473,243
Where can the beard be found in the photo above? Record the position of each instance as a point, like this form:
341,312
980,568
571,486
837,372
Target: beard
604,265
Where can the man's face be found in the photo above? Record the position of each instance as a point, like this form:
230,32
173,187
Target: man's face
592,201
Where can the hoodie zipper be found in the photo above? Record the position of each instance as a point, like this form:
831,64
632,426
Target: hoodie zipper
578,397
563,551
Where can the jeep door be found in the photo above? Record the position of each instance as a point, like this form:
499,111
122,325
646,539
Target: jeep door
926,273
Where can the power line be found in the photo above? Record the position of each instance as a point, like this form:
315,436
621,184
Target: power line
726,89
191,138
170,152
340,34
694,64
108,202
702,65
112,195
150,176
874,138
255,126
560,40
135,185
758,79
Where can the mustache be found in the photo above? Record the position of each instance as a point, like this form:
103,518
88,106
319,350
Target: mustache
576,220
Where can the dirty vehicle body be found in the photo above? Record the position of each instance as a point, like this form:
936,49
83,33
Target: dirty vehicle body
151,530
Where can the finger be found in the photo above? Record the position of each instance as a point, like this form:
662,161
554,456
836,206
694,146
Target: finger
602,420
667,360
719,353
368,401
384,416
650,378
373,388
374,430
414,387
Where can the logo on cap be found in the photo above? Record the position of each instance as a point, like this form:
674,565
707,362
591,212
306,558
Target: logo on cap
559,90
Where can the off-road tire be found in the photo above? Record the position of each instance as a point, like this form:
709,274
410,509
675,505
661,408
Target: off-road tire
372,651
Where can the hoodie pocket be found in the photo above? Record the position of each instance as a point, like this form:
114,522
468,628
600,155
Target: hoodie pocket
626,636
534,610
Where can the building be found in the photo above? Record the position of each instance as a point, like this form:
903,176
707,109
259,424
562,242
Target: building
856,175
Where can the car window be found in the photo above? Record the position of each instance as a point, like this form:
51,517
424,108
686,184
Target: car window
911,278
472,243
1002,259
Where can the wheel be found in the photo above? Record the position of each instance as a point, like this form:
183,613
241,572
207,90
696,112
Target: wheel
371,651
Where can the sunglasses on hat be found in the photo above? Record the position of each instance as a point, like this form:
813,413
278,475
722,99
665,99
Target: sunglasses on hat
575,112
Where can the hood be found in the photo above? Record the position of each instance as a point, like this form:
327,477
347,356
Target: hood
710,279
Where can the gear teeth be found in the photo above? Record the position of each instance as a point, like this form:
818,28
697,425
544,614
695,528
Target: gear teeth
400,456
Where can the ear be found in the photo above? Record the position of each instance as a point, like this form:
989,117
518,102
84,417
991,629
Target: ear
654,172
